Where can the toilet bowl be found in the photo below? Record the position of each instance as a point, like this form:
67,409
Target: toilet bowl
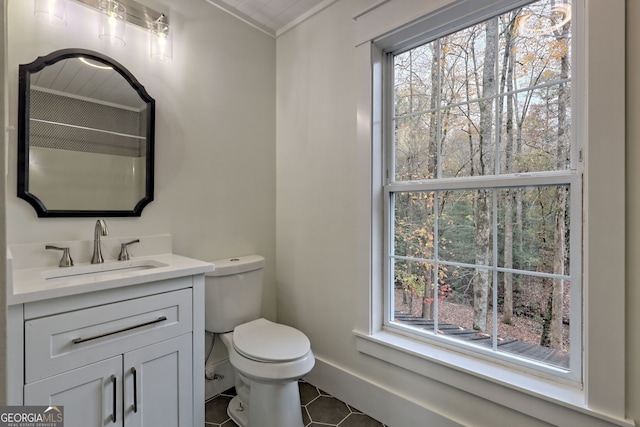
268,358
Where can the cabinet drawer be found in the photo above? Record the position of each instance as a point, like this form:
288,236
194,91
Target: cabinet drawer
58,343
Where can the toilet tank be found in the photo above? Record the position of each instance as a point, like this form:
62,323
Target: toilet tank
233,293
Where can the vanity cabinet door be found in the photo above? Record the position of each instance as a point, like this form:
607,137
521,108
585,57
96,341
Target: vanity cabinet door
91,395
158,384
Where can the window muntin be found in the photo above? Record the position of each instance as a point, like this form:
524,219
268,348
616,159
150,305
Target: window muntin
480,131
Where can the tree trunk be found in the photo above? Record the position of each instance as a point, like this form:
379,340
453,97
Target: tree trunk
558,268
482,209
507,313
429,291
561,211
483,257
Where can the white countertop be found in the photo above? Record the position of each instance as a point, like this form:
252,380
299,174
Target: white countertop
39,283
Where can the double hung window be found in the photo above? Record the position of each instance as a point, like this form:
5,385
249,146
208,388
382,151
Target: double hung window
483,190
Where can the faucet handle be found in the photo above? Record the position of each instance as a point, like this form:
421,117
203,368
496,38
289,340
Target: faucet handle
124,253
66,260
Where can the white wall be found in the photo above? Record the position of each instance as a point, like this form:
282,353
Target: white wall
318,243
316,199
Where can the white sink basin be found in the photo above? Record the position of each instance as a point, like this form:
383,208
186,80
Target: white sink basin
103,269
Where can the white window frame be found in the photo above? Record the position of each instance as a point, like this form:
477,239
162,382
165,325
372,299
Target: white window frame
601,394
571,177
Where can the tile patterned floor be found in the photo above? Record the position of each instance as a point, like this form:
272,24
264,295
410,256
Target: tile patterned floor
318,409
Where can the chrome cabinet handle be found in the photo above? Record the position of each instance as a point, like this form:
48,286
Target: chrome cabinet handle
113,413
128,328
135,389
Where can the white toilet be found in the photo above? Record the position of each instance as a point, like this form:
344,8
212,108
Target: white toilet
268,358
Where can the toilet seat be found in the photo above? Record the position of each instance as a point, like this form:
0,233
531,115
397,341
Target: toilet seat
265,341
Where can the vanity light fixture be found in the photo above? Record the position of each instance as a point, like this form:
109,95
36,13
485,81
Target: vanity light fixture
114,15
112,22
160,40
51,11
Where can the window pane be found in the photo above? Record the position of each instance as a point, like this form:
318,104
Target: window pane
414,222
464,58
535,53
465,151
414,83
534,322
415,148
463,309
464,235
542,33
413,289
535,130
534,229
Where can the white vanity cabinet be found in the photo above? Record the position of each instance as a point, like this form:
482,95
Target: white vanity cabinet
121,351
128,362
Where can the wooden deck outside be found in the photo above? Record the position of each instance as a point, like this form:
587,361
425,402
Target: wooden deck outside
508,345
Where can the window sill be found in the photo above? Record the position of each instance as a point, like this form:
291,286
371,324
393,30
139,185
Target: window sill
535,396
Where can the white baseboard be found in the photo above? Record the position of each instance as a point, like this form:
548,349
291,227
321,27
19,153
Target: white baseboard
373,399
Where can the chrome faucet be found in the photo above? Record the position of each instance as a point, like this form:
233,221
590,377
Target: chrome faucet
100,230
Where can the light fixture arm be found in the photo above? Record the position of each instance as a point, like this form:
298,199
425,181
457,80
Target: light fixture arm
137,14
160,26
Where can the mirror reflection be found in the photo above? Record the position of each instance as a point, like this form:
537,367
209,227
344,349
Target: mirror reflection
86,137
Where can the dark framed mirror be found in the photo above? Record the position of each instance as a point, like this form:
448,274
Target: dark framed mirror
85,137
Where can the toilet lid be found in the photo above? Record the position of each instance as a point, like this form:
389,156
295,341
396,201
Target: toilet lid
270,342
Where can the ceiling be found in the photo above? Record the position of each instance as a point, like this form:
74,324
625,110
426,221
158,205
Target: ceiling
272,16
87,79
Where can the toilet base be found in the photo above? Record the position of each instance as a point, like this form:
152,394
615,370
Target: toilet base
237,412
271,405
